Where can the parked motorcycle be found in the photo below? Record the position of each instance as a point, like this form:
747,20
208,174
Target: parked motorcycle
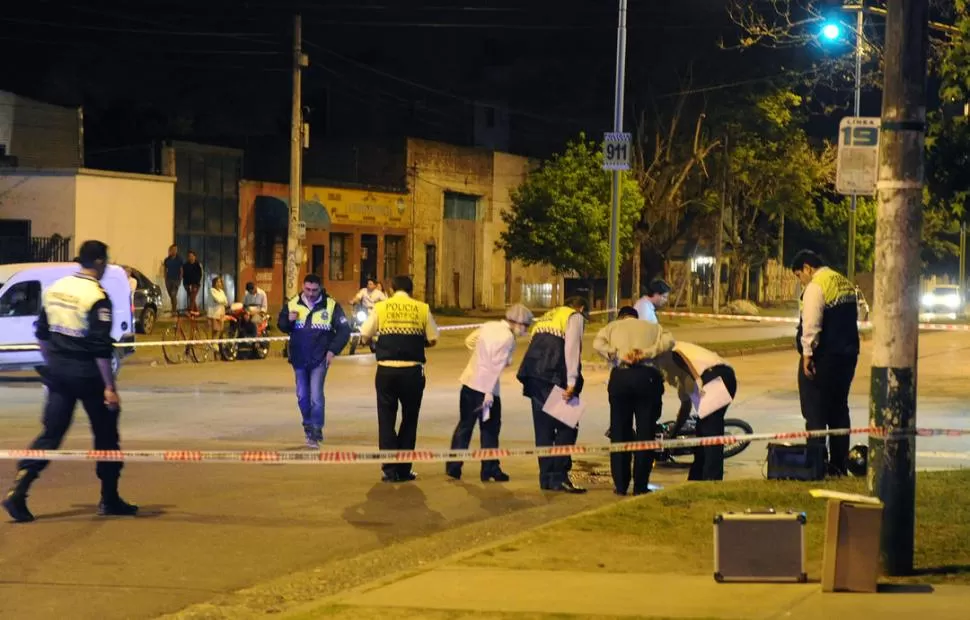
235,320
357,318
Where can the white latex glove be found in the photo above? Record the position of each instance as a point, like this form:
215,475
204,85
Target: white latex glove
488,400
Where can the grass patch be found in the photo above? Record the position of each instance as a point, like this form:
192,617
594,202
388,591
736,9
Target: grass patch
351,612
672,531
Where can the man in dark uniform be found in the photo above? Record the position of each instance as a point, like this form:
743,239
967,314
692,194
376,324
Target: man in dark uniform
828,342
74,332
403,327
636,390
554,359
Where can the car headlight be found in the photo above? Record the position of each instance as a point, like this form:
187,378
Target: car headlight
951,301
361,316
929,299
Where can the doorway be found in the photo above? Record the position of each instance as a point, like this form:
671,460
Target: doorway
368,259
318,254
430,273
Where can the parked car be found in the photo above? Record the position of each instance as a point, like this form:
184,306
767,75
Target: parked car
20,302
146,299
943,299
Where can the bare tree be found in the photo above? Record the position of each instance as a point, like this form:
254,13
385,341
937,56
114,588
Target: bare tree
668,158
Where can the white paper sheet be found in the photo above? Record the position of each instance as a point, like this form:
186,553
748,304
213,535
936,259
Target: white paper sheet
713,396
569,413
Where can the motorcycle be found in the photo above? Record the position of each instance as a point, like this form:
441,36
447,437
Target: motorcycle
357,318
235,319
732,426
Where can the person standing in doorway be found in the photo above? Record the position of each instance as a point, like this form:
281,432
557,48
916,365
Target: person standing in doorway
492,346
554,358
653,297
192,281
403,327
172,266
318,332
636,390
828,342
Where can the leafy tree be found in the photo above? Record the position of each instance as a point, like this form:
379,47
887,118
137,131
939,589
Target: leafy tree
774,175
560,215
833,228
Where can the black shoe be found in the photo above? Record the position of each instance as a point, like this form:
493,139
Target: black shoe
568,487
642,491
407,477
498,476
619,492
116,508
16,507
389,477
454,474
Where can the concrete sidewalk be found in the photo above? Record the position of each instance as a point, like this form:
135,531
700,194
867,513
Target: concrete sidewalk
489,590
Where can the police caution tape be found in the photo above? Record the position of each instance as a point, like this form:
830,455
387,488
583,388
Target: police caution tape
346,457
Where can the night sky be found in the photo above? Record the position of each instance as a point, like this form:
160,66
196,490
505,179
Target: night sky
218,72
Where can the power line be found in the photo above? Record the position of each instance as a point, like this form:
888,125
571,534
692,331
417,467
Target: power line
171,33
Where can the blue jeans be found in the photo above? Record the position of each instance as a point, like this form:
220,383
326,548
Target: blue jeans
309,393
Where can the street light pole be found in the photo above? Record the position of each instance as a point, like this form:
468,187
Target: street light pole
860,14
612,293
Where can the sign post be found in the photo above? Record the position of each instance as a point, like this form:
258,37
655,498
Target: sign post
857,169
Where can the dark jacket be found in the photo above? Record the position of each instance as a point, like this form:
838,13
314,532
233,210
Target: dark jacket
316,333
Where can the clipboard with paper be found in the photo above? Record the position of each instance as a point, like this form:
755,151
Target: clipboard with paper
712,396
568,412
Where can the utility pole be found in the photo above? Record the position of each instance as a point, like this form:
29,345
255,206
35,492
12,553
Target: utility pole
892,460
719,236
612,293
296,163
860,17
963,261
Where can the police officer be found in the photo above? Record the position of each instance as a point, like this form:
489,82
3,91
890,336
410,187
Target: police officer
636,392
74,333
554,359
318,332
403,327
689,368
828,342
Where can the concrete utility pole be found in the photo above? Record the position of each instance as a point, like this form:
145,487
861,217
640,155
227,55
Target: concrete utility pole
612,292
892,456
296,163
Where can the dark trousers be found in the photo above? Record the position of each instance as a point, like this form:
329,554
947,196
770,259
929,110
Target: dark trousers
62,396
469,415
553,470
173,292
709,460
825,403
404,386
636,395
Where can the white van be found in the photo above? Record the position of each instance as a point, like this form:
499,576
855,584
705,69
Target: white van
21,290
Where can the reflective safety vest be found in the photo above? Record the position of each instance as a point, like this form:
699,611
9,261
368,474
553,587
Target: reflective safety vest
310,319
840,329
402,324
68,304
545,359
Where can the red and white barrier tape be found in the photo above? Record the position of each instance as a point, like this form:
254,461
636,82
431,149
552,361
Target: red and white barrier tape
344,457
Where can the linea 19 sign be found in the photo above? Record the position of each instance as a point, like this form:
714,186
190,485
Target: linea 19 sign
617,151
857,168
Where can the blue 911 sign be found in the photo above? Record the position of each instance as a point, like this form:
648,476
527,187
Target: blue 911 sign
857,167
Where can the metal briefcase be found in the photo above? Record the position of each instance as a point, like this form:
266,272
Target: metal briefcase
759,546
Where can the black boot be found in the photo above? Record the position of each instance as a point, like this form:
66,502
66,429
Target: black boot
111,504
15,502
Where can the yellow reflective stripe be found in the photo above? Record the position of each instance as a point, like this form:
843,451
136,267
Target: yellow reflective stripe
836,288
402,316
68,302
553,322
320,320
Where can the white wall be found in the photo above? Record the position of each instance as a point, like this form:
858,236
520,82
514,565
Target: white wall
133,214
45,197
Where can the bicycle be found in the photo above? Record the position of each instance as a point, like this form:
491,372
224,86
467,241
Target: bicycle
187,328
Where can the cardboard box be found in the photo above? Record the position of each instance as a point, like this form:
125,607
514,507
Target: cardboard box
850,560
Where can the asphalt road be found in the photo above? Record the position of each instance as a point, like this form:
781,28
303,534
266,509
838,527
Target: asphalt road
211,530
